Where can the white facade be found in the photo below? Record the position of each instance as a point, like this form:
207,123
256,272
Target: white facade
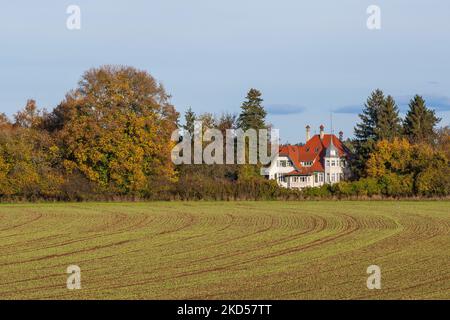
332,167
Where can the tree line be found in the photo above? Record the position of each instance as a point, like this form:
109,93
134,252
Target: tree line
110,139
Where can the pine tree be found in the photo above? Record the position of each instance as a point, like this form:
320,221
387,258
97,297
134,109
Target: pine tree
388,124
190,118
420,121
366,132
253,114
366,129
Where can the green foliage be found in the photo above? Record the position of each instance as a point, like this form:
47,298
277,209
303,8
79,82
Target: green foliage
253,114
190,118
388,124
420,122
366,131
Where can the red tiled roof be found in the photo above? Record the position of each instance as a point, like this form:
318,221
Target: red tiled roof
314,150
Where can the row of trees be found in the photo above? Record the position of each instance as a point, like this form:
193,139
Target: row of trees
110,139
380,120
398,157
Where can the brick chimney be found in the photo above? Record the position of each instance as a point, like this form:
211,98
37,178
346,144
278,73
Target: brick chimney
308,133
321,131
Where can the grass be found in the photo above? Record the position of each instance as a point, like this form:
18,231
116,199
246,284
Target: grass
226,250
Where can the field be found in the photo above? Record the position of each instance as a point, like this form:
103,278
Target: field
226,250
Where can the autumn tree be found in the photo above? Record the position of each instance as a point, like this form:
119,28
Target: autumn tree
4,121
402,168
29,117
115,129
29,164
443,140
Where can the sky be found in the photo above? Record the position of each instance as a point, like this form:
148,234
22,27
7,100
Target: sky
315,61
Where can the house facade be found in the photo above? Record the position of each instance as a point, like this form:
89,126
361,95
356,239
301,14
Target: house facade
323,159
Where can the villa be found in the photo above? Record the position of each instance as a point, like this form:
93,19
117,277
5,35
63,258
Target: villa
323,159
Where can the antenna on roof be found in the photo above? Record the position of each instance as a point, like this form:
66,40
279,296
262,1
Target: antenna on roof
331,122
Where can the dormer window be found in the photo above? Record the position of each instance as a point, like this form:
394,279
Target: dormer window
333,153
316,150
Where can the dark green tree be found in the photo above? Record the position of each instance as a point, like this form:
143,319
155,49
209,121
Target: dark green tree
189,118
366,132
253,115
366,129
420,122
388,124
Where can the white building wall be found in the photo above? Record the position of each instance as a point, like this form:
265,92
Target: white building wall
277,171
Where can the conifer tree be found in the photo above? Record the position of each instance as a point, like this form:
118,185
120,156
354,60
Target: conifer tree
420,121
388,124
366,132
366,129
253,114
190,118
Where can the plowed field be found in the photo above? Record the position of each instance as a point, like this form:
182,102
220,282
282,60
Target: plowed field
226,250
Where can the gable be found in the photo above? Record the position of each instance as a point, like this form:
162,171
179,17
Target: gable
313,151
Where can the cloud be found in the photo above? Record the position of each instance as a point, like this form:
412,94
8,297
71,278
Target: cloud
284,109
435,102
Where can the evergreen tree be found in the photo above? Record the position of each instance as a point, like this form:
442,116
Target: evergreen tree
366,132
366,129
189,117
253,114
388,124
420,121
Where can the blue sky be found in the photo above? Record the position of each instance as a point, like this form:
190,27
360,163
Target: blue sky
309,58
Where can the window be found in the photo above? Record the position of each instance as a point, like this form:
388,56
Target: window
333,163
282,163
328,177
316,177
328,163
320,177
316,150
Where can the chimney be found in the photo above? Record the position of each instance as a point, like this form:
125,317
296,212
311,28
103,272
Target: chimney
321,131
308,133
341,135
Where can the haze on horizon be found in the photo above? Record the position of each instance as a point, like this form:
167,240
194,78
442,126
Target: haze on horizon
308,58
